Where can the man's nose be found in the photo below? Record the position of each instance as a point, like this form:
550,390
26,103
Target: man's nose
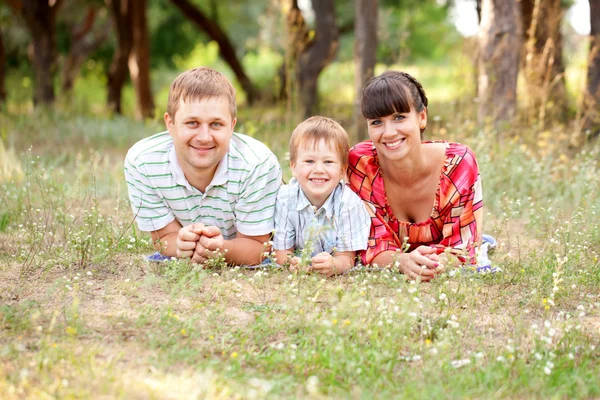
202,133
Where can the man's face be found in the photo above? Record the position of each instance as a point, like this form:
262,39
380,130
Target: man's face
201,130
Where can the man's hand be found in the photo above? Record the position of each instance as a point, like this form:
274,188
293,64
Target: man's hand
187,240
210,242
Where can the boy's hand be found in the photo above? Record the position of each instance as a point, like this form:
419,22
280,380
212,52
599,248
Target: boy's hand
295,265
324,264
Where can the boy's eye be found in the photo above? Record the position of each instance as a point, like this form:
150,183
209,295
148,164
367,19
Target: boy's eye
329,161
309,161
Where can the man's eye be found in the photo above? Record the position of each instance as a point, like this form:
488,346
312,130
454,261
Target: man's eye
216,124
192,123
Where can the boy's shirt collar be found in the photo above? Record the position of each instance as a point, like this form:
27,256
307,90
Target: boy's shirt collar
303,202
219,178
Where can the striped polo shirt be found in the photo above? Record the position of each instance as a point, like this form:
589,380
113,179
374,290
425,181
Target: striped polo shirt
342,222
240,198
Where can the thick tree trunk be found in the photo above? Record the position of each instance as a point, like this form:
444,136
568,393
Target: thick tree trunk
499,38
542,61
592,98
40,16
214,31
84,41
365,56
139,61
2,71
117,74
318,54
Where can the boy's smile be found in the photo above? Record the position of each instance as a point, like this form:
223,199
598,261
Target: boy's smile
318,169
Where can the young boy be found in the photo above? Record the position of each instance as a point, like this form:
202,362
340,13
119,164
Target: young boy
316,211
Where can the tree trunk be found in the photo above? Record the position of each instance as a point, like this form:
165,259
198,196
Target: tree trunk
365,56
40,16
542,62
214,31
2,71
592,98
139,61
499,36
117,74
318,54
84,41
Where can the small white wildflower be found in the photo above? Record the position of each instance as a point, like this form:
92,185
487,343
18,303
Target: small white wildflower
460,363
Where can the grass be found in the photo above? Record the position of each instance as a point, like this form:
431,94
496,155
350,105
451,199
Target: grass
83,315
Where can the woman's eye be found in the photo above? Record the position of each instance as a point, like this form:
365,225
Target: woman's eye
375,122
399,117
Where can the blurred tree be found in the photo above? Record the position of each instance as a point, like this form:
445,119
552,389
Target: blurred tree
2,69
139,60
313,49
412,30
499,36
541,58
217,34
592,98
117,74
40,18
365,56
86,36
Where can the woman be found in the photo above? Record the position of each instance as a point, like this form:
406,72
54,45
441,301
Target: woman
425,197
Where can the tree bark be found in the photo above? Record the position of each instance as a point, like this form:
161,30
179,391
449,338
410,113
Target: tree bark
2,71
117,74
84,41
139,61
40,18
592,98
214,31
316,55
365,56
542,61
499,37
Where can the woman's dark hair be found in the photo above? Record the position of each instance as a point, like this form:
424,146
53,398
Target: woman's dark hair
392,92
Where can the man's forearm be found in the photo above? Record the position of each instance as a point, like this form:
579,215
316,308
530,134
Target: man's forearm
167,245
245,251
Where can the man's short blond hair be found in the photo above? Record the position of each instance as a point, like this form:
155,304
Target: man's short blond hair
317,128
200,83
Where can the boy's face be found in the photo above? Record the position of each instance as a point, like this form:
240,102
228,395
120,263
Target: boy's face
318,170
201,131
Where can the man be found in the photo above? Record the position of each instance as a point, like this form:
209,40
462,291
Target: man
200,188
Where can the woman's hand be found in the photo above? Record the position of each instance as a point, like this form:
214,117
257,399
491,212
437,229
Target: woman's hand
419,264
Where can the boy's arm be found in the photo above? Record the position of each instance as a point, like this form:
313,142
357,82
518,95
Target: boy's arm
329,265
281,256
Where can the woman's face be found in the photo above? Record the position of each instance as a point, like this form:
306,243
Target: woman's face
396,134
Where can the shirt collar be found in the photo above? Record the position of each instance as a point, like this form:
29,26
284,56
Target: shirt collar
219,178
328,206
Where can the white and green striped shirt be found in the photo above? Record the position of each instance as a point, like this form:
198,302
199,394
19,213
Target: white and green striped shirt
240,198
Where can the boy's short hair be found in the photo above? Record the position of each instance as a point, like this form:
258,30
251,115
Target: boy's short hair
197,84
317,128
